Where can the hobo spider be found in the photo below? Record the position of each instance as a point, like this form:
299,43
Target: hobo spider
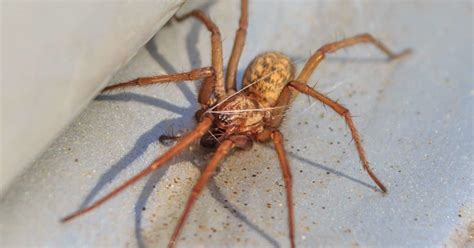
229,118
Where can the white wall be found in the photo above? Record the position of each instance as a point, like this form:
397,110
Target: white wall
56,56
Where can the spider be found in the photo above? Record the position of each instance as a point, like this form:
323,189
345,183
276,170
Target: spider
229,118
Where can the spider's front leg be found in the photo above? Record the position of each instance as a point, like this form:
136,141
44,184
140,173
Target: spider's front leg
213,76
313,62
320,54
216,51
344,112
194,74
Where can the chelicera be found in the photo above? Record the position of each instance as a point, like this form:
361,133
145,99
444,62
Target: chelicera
229,118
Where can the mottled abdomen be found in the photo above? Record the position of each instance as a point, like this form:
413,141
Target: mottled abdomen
273,71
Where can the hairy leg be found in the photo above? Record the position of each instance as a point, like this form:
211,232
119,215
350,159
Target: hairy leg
222,150
216,42
344,112
239,43
205,92
320,54
195,74
192,136
285,168
287,93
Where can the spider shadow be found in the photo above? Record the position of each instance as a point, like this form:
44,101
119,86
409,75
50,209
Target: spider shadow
151,135
356,60
333,171
146,139
327,169
141,145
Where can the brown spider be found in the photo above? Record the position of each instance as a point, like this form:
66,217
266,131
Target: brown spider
235,119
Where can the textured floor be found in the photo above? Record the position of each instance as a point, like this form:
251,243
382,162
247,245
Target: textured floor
415,116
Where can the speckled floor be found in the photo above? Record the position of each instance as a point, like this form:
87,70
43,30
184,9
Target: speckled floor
415,116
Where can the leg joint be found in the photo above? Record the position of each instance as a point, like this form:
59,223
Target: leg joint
277,137
345,112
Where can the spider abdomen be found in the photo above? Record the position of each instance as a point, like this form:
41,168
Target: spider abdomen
268,73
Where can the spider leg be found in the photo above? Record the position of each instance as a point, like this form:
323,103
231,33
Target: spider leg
344,112
195,134
216,43
191,75
278,113
287,93
205,90
320,54
277,138
222,150
239,43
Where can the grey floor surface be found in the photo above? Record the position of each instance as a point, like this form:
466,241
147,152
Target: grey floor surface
415,116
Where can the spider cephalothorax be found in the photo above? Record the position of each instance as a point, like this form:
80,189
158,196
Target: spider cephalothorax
233,120
229,118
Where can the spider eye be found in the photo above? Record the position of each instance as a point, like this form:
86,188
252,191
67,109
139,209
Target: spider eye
225,119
